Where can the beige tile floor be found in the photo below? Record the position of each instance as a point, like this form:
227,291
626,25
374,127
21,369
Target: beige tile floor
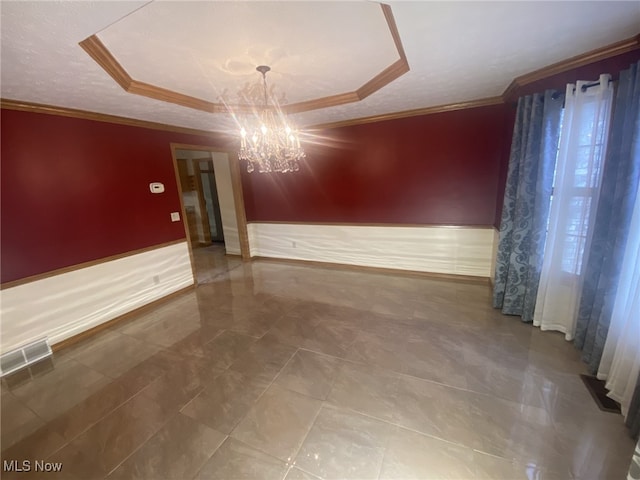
277,371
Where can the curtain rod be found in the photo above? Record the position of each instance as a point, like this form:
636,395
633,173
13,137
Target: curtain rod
557,94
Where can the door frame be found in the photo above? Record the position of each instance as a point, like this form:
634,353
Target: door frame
238,198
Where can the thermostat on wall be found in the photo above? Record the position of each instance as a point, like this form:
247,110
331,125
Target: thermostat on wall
156,187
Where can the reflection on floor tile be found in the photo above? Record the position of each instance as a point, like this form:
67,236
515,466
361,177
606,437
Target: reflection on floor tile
178,450
366,390
345,445
236,460
225,401
297,474
278,422
414,456
309,373
106,444
18,420
272,371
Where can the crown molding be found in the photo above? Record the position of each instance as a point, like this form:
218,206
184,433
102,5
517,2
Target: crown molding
618,48
482,102
99,117
105,59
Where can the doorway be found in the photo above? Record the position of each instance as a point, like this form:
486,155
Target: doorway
200,198
212,209
206,182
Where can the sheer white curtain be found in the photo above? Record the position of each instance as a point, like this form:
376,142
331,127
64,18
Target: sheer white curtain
620,361
581,153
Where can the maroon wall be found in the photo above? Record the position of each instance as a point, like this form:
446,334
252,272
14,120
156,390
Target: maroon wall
75,190
433,169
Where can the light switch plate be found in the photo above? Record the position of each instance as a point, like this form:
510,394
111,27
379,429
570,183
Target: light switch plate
175,216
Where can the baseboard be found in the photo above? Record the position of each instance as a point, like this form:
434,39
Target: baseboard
380,270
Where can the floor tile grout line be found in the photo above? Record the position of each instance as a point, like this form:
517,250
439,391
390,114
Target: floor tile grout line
388,371
46,422
384,453
334,406
396,374
25,405
255,402
103,417
224,440
67,442
304,438
171,417
258,399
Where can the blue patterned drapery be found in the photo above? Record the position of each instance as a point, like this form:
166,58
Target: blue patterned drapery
620,180
633,415
526,204
634,469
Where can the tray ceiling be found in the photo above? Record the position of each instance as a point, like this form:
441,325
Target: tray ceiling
457,51
213,48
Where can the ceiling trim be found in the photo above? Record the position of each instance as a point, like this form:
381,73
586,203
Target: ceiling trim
482,102
99,117
103,117
105,59
611,50
618,48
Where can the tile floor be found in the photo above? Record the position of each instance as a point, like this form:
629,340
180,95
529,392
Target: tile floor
276,371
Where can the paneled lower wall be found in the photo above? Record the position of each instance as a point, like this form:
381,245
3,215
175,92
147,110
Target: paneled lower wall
64,305
450,250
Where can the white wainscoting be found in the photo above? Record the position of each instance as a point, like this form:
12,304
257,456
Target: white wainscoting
64,305
452,250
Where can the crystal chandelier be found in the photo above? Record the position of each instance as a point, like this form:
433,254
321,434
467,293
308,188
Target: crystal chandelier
267,141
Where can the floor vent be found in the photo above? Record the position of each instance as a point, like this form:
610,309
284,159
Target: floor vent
24,356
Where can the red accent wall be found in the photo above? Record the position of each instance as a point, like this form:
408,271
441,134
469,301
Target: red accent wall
433,169
75,190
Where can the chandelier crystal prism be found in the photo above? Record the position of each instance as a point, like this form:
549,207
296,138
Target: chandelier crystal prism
267,140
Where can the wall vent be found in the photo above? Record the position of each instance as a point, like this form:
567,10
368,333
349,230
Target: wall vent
24,356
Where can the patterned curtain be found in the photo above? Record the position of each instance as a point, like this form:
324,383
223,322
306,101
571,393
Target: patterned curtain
620,179
633,415
526,203
634,469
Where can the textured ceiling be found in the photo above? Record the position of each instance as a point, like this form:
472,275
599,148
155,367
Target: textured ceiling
313,56
457,51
